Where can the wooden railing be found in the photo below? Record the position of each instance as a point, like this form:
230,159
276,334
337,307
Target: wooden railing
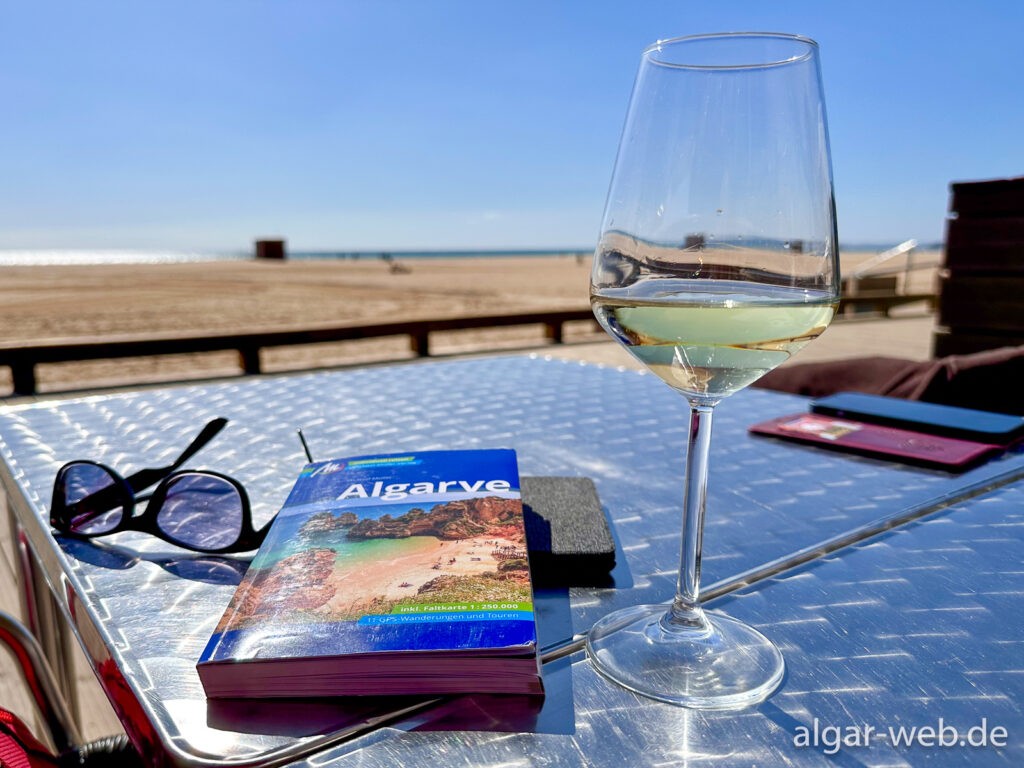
22,359
882,302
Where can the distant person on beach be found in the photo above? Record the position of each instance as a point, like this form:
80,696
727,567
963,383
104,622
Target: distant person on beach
393,266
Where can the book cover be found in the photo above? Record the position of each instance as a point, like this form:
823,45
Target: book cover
386,574
932,451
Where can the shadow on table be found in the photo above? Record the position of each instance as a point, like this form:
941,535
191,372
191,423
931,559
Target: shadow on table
211,569
795,727
350,716
347,717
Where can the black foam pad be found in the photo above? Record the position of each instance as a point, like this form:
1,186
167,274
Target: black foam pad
567,532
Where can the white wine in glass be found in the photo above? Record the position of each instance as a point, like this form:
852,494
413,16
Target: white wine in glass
718,260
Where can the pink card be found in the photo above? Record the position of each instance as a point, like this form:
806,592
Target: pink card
879,441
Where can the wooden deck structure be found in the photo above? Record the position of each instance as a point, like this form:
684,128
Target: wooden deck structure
22,359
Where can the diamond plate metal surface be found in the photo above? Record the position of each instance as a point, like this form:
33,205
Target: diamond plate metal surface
155,606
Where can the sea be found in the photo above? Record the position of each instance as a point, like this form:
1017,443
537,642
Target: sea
27,257
287,539
129,256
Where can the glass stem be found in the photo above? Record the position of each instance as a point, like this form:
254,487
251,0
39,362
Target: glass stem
686,614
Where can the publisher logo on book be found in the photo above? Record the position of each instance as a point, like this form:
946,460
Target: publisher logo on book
327,468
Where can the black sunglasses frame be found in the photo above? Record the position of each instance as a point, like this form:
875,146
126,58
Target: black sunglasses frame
124,493
60,514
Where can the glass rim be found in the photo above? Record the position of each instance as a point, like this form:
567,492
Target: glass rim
810,46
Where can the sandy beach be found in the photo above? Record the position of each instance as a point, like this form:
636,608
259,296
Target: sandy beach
408,572
97,301
51,302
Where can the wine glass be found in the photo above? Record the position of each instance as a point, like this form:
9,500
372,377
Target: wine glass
717,261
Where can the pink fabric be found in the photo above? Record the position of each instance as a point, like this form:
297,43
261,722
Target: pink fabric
18,747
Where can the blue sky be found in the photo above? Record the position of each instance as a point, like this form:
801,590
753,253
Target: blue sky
435,125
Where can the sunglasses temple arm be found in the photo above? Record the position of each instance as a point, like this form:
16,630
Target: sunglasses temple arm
106,499
147,477
209,432
99,503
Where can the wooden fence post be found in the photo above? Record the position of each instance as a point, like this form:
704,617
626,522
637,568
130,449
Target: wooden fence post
23,375
420,342
250,359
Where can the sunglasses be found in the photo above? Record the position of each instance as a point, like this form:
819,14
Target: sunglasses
196,509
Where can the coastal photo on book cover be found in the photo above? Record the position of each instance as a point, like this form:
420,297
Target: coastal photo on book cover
389,574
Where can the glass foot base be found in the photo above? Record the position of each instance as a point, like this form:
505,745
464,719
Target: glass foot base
723,665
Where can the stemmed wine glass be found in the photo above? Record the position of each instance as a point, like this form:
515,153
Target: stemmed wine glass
717,261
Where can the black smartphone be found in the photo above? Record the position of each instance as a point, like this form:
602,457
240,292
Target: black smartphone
930,418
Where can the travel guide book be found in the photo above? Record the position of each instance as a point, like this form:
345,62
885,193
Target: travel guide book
389,574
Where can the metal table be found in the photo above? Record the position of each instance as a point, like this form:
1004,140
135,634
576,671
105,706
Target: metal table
892,591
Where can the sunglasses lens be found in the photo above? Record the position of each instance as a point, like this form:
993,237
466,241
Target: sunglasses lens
94,500
201,511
